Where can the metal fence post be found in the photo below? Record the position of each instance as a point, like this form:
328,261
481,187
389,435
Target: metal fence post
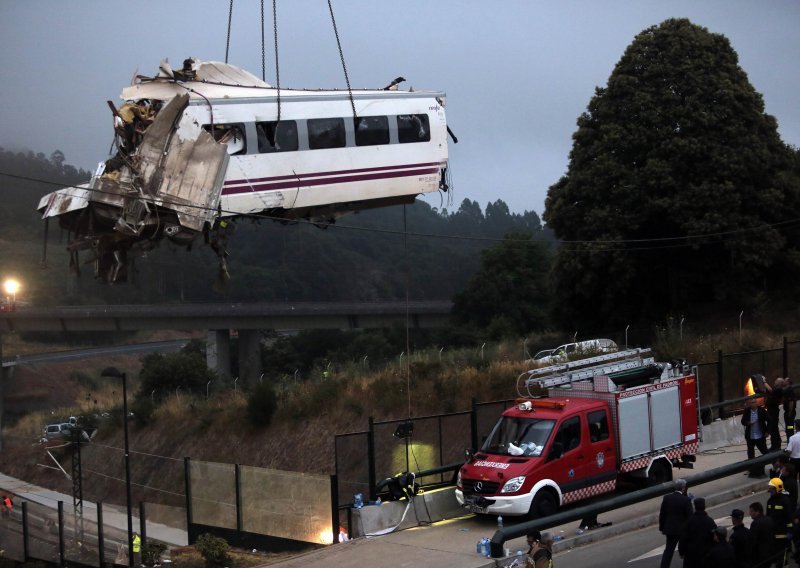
187,480
142,524
785,356
62,561
25,534
238,476
371,457
101,543
441,442
473,425
720,393
335,508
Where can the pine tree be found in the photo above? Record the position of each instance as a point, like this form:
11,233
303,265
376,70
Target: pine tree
677,185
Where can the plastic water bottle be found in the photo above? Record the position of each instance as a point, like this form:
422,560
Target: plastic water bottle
500,521
557,538
579,531
479,547
485,550
358,500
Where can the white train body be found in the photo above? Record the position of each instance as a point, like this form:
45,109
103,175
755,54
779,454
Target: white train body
212,141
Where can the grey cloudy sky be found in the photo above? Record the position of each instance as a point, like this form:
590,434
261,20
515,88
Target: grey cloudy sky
517,74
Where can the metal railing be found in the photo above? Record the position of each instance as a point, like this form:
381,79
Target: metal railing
502,535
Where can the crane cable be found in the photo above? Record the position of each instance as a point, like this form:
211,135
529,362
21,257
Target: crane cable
228,39
277,70
263,56
263,49
341,56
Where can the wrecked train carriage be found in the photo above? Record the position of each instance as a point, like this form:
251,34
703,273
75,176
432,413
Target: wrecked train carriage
212,141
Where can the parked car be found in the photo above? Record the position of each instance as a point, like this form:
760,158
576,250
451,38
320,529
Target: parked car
59,430
577,350
542,354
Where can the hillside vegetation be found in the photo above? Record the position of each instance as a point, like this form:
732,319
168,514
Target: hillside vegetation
309,411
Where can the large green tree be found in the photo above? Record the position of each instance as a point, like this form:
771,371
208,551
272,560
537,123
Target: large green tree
678,188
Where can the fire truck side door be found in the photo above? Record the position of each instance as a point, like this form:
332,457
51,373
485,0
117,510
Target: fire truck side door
601,459
594,460
567,455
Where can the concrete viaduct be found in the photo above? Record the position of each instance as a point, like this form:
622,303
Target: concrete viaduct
218,320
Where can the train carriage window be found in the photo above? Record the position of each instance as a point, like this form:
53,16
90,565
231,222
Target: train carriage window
372,130
231,134
326,133
276,136
413,128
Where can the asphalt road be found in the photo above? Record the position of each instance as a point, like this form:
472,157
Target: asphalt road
643,548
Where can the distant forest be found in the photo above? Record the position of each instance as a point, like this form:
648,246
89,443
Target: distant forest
374,255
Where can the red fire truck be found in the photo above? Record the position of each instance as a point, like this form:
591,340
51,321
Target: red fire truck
578,427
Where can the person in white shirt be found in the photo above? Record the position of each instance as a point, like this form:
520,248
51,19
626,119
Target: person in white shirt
793,448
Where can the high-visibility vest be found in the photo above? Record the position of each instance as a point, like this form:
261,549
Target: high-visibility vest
137,544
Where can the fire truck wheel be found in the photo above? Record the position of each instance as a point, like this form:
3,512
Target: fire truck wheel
659,473
544,504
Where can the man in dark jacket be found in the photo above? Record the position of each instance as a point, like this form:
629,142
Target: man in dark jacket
721,554
755,422
762,536
676,508
774,401
740,539
696,540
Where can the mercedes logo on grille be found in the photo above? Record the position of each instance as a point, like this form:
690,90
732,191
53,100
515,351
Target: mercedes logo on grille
479,486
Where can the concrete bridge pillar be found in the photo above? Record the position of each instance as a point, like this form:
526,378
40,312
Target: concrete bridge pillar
218,351
249,356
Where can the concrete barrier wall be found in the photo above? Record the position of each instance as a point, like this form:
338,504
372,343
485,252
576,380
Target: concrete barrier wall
427,507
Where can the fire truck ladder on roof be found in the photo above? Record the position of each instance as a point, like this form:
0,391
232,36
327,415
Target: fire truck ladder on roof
567,373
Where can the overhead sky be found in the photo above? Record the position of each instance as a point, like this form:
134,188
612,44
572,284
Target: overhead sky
517,74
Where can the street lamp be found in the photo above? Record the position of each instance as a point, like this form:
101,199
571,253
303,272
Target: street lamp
114,372
11,287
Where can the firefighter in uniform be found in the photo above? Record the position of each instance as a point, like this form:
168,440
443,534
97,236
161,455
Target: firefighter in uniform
540,553
137,549
779,510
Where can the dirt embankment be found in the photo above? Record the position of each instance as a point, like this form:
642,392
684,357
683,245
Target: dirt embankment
213,430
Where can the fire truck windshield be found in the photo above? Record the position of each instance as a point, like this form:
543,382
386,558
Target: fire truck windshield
519,436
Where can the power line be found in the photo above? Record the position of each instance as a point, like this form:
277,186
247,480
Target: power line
264,216
135,452
681,241
136,484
